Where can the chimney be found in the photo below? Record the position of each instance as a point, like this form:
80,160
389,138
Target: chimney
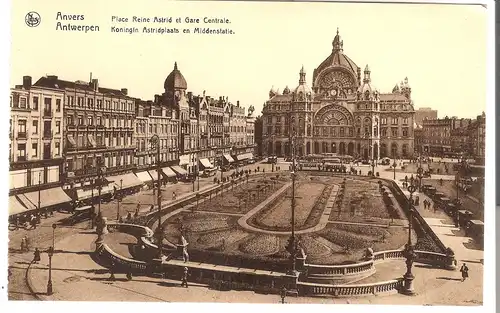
95,84
238,103
26,82
52,77
157,99
124,91
190,95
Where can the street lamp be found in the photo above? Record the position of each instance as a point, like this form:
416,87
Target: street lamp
100,170
394,166
409,252
39,201
292,242
118,200
155,142
50,253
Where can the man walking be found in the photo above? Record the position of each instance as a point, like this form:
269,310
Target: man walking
465,272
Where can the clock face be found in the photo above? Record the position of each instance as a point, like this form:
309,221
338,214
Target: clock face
333,92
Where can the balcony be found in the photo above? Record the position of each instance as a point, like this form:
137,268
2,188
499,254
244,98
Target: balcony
47,113
21,135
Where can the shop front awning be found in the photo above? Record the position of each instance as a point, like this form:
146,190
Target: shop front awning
84,194
179,170
244,156
144,176
154,174
228,158
15,207
125,181
168,172
183,160
48,197
206,163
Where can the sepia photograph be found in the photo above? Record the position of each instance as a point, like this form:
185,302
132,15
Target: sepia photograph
250,152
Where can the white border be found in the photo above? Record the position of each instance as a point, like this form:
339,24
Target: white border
489,266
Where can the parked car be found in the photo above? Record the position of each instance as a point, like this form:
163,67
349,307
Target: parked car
251,161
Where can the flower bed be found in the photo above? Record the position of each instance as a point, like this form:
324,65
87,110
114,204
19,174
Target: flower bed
261,245
362,200
242,198
307,210
219,238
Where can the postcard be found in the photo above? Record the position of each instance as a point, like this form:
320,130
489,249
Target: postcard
249,152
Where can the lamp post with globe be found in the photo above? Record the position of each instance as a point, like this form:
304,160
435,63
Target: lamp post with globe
409,252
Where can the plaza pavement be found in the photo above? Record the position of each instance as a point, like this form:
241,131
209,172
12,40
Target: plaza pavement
76,277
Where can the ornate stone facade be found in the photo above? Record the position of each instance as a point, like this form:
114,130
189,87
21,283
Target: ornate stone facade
342,113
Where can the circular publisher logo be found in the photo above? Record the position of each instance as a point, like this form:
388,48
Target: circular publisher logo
32,19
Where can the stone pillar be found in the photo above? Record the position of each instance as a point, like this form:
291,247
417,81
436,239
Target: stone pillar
300,261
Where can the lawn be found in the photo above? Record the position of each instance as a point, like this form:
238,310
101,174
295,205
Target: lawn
278,217
362,202
244,197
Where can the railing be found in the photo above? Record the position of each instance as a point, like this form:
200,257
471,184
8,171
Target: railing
388,255
313,269
121,263
21,135
391,286
47,113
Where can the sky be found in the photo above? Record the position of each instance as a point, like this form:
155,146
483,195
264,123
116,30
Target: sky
440,48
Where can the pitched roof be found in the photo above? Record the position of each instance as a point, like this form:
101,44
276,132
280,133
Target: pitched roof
392,97
281,98
55,82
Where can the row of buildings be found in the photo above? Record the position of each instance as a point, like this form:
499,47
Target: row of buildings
452,136
65,136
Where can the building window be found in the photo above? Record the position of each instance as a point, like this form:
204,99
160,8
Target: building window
34,150
69,120
383,121
89,120
22,103
405,120
58,148
21,152
35,127
80,120
58,127
394,132
47,104
58,105
99,121
22,127
405,132
394,121
35,103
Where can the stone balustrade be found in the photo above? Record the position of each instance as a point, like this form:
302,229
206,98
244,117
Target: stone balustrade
387,255
391,286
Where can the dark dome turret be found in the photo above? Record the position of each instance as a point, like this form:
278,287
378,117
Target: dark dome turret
175,80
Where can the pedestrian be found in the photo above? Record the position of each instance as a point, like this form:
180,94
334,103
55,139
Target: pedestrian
129,217
185,278
151,208
27,242
23,244
174,196
434,207
465,272
406,178
36,256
